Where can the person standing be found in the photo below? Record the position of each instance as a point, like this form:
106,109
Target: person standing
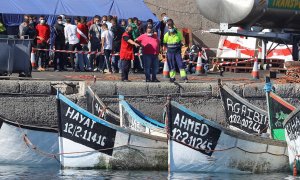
59,44
72,39
123,24
137,65
118,32
150,44
107,43
95,40
23,27
172,41
126,52
82,34
43,39
108,22
163,26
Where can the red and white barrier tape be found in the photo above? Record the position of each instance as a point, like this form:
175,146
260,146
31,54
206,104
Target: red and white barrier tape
80,52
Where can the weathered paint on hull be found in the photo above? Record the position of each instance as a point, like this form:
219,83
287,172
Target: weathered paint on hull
140,154
235,160
293,151
13,149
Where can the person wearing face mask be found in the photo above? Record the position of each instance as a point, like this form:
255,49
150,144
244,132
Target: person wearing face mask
59,44
95,40
24,27
43,38
173,42
104,19
163,27
150,44
126,52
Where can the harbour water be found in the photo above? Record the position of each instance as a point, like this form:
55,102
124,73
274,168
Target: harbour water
25,172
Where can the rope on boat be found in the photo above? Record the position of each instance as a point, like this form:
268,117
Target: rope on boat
31,146
226,149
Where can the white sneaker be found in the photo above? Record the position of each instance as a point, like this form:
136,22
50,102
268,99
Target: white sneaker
96,69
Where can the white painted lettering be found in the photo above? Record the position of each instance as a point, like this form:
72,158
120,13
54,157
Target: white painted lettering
82,118
236,108
177,120
204,130
87,123
256,117
76,116
183,122
230,105
197,128
70,113
249,114
92,126
190,125
244,110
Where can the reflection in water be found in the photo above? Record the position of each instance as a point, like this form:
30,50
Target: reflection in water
25,172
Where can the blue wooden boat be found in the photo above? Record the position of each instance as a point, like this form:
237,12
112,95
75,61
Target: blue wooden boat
87,141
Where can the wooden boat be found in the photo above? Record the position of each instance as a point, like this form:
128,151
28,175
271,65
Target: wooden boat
198,144
27,145
129,117
278,110
292,132
242,115
86,141
99,109
133,119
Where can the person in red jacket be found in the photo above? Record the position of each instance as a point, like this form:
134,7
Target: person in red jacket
126,52
82,34
43,38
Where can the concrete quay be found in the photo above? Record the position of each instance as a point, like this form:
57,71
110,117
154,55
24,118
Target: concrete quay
34,102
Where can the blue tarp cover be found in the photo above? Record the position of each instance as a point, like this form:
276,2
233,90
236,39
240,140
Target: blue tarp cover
123,9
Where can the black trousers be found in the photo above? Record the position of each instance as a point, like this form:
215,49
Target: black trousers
42,55
125,66
59,55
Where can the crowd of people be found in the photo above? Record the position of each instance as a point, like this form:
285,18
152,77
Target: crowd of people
117,44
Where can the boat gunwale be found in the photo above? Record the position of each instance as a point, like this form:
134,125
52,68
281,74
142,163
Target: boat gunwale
290,116
29,127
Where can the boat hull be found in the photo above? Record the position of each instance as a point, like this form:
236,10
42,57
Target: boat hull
87,141
292,135
130,152
243,157
14,150
197,144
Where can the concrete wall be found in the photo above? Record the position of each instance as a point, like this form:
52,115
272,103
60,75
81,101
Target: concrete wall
38,105
186,14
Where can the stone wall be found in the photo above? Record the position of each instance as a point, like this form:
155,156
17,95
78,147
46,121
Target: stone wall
186,14
33,102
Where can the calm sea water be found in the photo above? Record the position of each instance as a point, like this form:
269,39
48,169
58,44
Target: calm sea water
24,172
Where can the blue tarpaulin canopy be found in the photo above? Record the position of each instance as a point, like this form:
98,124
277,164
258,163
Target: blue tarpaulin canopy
123,9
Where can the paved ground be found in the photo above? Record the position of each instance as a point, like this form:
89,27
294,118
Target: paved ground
139,77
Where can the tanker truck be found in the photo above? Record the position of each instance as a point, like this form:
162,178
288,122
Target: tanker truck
282,17
269,14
